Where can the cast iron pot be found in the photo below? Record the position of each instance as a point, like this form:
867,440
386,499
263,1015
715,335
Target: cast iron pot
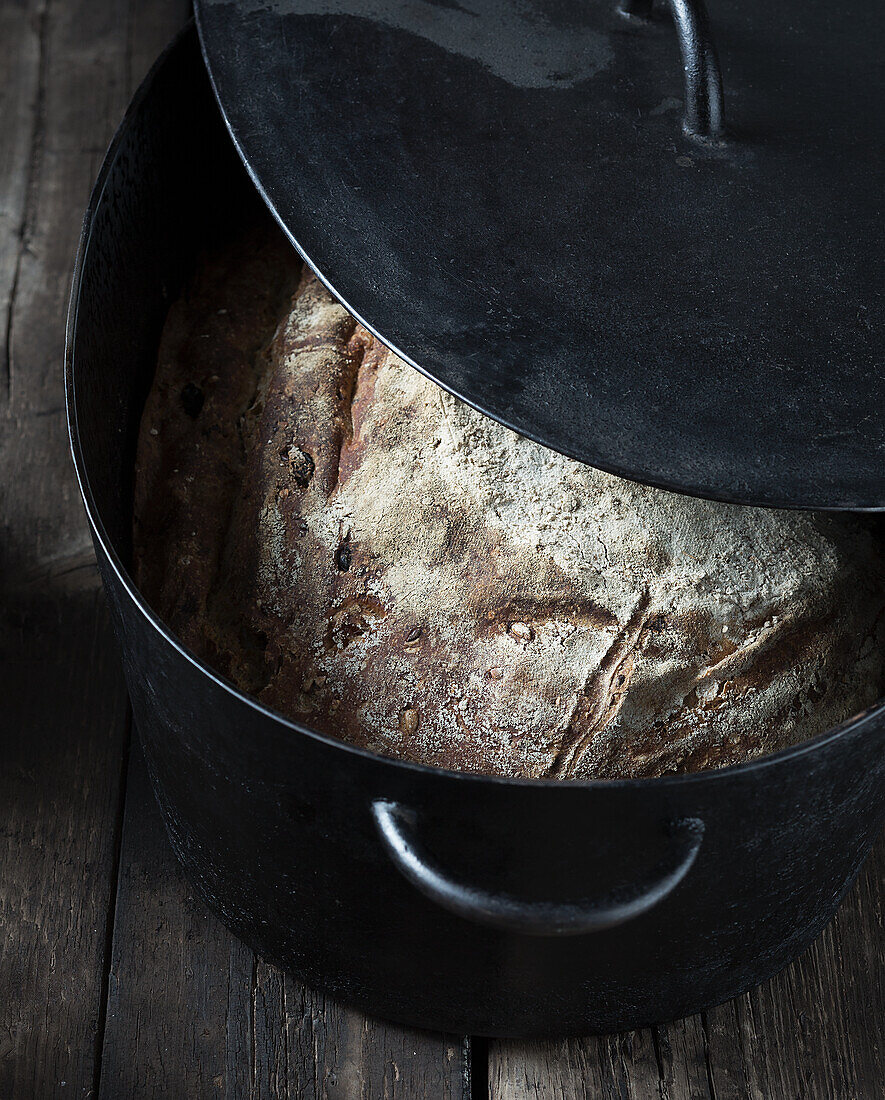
456,902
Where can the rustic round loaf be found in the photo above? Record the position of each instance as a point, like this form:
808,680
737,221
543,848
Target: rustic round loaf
370,556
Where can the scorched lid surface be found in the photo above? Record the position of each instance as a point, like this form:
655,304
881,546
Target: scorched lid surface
506,193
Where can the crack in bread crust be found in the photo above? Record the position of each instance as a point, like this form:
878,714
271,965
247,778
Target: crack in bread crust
599,703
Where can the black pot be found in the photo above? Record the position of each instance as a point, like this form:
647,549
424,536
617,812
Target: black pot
450,901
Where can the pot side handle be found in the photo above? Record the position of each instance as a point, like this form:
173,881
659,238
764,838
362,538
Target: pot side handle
396,824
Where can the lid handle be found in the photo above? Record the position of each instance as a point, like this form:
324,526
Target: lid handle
703,118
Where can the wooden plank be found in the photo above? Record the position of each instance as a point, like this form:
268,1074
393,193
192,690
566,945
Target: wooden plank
63,702
814,1032
178,1017
191,1011
21,32
343,1054
59,801
613,1067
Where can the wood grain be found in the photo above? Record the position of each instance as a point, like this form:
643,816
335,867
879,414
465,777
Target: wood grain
62,730
21,31
178,1016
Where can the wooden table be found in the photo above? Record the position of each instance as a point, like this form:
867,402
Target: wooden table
115,982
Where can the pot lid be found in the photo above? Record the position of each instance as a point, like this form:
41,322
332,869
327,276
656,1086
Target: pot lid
545,207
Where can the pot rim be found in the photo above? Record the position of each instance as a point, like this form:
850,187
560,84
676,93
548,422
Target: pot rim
95,200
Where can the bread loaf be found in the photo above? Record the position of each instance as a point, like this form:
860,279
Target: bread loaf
375,559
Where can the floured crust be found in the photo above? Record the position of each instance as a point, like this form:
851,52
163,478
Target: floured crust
372,557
